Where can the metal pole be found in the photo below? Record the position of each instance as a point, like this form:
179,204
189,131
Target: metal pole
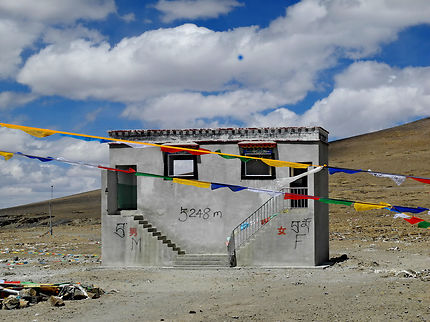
50,211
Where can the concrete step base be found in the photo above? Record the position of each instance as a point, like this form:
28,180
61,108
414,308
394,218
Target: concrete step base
201,260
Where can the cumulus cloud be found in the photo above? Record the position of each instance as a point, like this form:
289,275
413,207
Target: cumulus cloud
27,20
194,9
29,180
368,96
53,11
196,70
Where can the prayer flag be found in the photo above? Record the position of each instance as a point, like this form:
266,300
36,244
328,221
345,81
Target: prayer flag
175,149
295,196
280,163
86,138
270,192
47,159
130,170
336,201
232,157
401,215
408,209
233,188
142,174
332,170
367,206
40,133
413,220
424,224
195,183
6,155
398,179
423,180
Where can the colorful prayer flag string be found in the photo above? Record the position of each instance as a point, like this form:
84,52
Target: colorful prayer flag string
37,132
41,133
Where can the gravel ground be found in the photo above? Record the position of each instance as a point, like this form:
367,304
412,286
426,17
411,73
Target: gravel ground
379,280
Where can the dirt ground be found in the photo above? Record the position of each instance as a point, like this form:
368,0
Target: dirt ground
383,278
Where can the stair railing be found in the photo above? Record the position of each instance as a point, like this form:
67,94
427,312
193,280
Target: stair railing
260,217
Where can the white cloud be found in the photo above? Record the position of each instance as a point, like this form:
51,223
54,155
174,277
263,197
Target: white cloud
368,96
237,104
54,11
129,17
33,178
22,22
197,70
194,9
9,100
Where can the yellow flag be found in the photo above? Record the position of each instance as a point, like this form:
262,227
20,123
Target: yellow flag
279,163
196,183
364,206
39,133
6,155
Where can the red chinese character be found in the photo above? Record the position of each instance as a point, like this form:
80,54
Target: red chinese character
133,231
264,221
281,230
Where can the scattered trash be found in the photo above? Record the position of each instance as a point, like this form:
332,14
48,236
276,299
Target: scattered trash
11,302
56,301
18,295
423,275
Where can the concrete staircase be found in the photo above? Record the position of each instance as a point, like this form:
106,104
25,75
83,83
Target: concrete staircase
202,261
155,232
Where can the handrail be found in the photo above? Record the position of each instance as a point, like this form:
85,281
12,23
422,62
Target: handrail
260,217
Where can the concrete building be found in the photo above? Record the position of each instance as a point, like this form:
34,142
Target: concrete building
151,221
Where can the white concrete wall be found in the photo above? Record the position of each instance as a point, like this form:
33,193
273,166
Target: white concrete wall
161,201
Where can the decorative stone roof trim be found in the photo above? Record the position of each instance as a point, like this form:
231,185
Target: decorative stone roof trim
224,134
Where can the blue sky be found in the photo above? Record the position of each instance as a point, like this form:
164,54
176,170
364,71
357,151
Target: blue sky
93,66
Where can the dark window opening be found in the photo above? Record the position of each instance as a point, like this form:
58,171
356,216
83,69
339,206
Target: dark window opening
300,186
257,169
180,165
126,188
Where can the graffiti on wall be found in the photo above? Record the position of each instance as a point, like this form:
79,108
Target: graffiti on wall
198,213
136,244
301,229
120,229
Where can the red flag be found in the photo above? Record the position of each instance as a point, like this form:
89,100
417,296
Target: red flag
174,150
295,196
423,180
413,220
130,170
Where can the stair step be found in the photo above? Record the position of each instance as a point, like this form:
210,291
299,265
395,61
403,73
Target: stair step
202,260
147,225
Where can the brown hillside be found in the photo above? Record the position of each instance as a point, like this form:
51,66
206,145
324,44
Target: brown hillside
402,150
82,207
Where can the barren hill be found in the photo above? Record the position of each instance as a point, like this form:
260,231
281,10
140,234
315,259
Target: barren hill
403,149
82,207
